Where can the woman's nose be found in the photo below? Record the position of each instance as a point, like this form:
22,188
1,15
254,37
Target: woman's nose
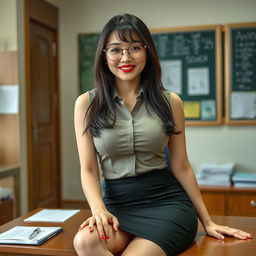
125,55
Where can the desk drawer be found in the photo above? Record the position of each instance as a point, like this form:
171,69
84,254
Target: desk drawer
243,205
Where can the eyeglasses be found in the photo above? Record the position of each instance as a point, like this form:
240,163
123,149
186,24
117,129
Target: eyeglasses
115,53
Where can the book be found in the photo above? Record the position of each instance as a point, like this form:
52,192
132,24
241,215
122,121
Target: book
52,215
28,235
244,176
244,184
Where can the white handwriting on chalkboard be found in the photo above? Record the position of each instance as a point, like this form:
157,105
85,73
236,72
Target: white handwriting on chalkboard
197,59
244,57
179,46
246,36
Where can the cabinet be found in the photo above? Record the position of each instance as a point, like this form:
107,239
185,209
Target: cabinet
9,140
229,200
6,209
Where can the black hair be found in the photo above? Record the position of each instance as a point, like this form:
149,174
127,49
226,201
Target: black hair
101,111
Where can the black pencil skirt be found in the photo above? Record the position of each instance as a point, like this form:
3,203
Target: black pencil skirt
153,206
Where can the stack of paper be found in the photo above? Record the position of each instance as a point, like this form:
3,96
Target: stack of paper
52,215
215,174
244,179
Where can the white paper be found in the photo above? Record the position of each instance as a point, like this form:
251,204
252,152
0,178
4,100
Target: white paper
243,105
198,81
9,99
52,215
171,75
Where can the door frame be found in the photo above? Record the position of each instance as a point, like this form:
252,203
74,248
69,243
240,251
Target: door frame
46,14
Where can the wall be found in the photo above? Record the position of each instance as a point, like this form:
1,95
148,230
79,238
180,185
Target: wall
22,106
204,144
8,27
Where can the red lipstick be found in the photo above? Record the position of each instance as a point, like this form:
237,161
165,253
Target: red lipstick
127,68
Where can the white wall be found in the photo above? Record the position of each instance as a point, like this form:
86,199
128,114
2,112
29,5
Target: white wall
20,12
8,26
204,144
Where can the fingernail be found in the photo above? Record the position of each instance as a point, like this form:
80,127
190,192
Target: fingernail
90,228
102,237
107,238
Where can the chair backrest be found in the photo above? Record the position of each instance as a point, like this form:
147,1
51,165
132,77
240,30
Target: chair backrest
167,157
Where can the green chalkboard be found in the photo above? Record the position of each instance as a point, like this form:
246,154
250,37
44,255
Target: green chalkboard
87,49
191,65
241,73
243,59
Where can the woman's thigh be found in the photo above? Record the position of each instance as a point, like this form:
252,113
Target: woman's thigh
141,247
118,240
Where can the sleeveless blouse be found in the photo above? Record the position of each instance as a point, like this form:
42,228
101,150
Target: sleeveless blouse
136,143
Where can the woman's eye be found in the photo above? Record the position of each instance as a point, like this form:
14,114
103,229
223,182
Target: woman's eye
135,48
115,50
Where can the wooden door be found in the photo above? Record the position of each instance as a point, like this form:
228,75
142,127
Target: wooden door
42,104
44,113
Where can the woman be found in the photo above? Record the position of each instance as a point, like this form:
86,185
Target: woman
126,122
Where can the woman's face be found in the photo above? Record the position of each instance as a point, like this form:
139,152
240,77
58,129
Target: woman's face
125,64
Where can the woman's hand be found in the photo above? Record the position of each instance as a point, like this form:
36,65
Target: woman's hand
218,231
102,219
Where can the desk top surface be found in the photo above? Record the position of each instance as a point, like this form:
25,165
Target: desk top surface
62,244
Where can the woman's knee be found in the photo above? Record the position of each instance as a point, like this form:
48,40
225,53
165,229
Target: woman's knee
85,241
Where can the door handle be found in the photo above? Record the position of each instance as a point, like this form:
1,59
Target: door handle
35,130
253,203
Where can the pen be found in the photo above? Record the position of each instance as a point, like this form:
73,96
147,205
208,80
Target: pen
34,233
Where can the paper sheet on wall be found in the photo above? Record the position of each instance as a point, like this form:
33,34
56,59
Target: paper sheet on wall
171,75
243,105
9,99
192,109
208,111
198,81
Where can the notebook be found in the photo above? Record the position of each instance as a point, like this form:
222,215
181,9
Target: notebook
28,235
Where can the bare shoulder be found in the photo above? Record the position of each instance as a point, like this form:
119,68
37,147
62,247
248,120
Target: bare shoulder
175,100
82,102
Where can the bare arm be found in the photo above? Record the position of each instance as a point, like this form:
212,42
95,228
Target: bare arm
90,171
183,172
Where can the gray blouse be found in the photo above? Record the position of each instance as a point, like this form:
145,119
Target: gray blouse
136,143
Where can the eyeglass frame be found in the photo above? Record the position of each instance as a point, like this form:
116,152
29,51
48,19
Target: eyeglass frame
127,49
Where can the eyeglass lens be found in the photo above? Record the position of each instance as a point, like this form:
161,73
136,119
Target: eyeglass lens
134,51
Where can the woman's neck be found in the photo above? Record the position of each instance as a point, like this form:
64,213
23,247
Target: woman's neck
127,89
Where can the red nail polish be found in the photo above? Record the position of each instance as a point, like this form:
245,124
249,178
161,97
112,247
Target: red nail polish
102,237
107,238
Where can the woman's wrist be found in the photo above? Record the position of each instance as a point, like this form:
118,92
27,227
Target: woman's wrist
98,208
207,222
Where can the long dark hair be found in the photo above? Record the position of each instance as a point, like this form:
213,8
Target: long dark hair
101,111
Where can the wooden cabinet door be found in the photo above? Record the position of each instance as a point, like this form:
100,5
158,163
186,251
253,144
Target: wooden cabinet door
214,202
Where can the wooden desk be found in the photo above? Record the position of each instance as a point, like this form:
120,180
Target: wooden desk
62,244
13,171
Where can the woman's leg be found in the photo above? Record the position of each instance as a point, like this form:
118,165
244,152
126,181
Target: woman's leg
88,243
141,247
